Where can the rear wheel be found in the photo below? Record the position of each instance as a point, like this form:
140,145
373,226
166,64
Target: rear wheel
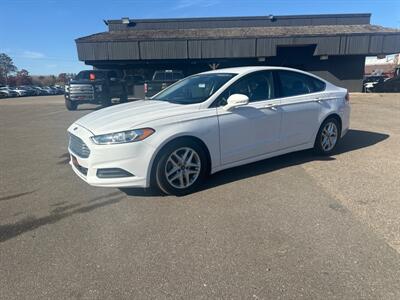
71,105
328,136
181,168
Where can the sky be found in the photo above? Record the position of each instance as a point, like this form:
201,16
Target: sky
39,34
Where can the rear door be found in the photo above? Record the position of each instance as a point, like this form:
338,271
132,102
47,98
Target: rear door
301,97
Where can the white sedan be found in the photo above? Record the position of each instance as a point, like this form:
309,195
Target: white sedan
206,123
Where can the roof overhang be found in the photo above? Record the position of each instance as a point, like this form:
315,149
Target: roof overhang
236,42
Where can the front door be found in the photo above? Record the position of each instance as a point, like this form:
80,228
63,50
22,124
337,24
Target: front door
251,130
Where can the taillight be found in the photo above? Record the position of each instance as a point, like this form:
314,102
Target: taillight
347,97
145,87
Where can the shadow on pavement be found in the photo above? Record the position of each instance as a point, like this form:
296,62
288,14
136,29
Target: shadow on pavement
16,195
9,231
353,140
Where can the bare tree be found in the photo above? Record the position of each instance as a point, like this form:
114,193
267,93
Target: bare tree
7,67
23,78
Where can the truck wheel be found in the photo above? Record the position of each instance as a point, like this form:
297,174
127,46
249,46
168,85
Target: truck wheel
123,98
106,102
71,105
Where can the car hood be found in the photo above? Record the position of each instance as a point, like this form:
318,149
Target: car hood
132,115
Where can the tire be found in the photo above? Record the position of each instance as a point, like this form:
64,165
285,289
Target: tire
105,102
123,98
189,174
328,137
71,105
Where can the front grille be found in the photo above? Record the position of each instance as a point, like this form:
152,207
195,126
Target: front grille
81,91
78,147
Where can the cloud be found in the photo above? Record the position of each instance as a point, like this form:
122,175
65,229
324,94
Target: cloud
5,50
190,3
32,55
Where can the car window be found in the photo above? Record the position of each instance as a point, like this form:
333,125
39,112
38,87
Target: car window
168,76
294,83
89,75
194,89
159,76
138,78
257,86
112,74
177,76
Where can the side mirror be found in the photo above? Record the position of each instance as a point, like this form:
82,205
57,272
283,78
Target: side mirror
236,100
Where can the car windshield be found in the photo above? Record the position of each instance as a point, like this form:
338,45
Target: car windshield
194,89
90,75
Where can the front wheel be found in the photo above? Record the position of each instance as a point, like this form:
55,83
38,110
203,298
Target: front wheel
71,105
106,101
328,137
123,98
181,168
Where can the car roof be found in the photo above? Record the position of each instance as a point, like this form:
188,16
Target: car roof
249,69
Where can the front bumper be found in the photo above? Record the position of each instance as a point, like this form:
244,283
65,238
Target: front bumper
134,158
96,98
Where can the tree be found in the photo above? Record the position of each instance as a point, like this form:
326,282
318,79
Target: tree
23,78
12,80
50,80
41,80
62,78
7,67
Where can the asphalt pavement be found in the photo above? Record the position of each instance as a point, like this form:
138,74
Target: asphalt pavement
292,227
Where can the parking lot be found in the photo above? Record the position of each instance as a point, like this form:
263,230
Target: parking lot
292,227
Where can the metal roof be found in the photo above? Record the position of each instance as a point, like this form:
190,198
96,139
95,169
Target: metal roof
209,38
235,18
232,22
247,32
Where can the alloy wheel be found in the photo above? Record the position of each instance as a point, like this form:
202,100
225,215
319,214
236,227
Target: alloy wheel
182,168
329,136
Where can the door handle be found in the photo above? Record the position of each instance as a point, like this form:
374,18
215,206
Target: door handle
322,100
271,106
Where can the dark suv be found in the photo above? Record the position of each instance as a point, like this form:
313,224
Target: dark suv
96,86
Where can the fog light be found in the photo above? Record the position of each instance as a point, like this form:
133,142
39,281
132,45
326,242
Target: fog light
113,173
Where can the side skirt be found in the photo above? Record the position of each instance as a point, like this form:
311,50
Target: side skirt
261,157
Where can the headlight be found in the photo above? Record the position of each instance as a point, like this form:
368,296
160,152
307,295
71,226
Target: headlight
66,88
98,88
123,136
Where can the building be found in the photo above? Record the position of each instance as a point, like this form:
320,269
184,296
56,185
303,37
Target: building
386,66
331,46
